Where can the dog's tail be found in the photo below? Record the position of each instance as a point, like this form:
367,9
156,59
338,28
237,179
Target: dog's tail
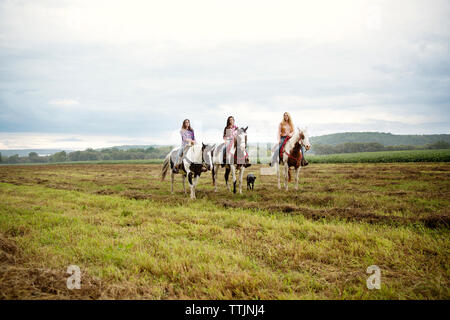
165,167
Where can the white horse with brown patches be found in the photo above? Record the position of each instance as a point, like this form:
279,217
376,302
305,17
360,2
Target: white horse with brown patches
196,160
235,160
292,156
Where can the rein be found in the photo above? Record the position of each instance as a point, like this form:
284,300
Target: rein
288,154
246,152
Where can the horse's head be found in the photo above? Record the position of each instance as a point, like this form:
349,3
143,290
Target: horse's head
304,138
207,155
241,138
241,146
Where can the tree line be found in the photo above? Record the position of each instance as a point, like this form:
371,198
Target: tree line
91,155
152,153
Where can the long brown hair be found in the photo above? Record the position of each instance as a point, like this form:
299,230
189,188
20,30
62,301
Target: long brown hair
229,122
228,125
189,127
289,121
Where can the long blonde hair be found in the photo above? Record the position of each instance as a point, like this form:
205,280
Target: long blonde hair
289,121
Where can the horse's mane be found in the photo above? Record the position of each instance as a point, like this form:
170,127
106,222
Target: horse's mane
293,140
195,153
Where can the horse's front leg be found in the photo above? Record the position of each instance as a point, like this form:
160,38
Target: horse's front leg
183,179
227,176
297,171
241,176
233,171
172,179
193,185
278,175
286,176
215,174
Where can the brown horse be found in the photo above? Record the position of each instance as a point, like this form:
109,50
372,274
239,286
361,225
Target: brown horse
291,156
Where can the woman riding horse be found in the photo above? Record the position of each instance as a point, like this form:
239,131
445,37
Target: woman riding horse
187,140
229,135
285,131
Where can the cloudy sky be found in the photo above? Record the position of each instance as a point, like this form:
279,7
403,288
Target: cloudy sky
77,74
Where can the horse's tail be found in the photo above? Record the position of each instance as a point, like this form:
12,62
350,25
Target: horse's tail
213,172
166,166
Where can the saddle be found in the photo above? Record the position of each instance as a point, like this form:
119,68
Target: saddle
281,150
247,161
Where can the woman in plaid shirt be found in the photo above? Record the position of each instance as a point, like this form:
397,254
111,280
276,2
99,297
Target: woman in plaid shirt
187,140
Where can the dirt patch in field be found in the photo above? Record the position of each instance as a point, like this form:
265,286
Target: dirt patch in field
130,194
20,282
348,214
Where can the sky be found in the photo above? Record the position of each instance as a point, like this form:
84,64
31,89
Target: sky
79,74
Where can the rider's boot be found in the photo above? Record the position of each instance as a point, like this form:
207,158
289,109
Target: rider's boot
304,162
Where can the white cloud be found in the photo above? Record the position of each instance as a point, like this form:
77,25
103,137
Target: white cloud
64,102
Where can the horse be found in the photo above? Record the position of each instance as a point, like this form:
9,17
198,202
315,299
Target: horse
196,159
237,159
292,156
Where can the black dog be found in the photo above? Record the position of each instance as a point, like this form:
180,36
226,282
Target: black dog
251,181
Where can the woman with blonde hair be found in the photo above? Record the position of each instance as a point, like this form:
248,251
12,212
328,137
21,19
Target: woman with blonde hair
285,130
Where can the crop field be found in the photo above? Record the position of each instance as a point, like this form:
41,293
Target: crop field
132,239
439,155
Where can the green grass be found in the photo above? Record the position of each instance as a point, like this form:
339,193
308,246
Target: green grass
142,242
384,156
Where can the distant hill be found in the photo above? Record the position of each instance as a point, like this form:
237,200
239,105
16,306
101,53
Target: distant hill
386,139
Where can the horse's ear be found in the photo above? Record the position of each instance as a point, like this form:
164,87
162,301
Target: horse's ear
245,130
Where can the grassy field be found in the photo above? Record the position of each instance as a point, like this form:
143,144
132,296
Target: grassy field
132,239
